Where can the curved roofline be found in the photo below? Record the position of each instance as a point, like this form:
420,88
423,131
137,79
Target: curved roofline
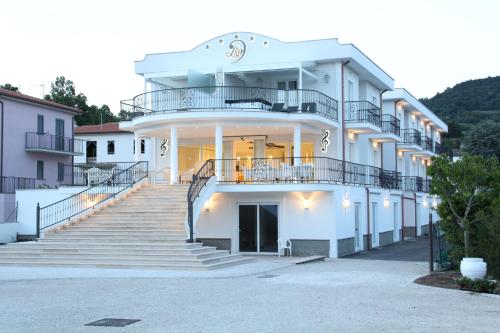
244,32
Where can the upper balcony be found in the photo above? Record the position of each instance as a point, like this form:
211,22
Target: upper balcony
53,144
427,145
438,148
391,131
411,140
362,117
216,98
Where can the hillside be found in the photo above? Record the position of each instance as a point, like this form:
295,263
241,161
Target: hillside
464,106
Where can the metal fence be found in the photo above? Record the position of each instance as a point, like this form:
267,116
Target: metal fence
84,174
44,141
11,184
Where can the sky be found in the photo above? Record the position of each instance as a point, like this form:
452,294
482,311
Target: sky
425,45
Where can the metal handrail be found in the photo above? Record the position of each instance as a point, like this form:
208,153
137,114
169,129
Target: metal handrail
200,179
233,97
80,202
427,143
35,140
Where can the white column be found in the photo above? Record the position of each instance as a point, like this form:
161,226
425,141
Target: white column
297,143
152,159
145,100
137,145
218,149
174,158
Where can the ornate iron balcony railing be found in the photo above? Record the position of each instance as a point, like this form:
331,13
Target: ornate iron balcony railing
362,112
438,148
390,124
411,136
236,98
427,143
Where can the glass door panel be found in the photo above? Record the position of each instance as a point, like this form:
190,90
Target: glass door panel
248,228
268,228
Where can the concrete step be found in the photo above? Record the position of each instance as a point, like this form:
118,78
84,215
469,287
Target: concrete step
80,259
118,240
101,255
131,233
137,228
110,250
170,266
122,245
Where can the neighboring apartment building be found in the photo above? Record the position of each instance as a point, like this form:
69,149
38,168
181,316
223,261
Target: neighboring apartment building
36,141
308,141
108,143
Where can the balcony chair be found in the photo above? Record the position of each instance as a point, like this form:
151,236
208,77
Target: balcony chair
284,244
93,175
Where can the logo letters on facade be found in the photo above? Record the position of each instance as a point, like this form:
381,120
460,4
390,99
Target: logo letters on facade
325,141
237,50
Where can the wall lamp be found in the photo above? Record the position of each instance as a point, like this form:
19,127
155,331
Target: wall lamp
346,202
306,203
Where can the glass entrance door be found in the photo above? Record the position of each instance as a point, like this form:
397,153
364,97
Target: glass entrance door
258,228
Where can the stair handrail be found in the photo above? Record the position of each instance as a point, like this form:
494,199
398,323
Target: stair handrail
82,201
200,179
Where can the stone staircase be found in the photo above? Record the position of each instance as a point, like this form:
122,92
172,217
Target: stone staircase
143,230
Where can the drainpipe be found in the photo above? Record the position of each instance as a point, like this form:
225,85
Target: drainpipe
343,118
381,144
402,217
368,235
1,149
415,202
395,144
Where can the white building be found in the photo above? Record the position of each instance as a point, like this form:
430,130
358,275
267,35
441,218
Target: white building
307,141
108,143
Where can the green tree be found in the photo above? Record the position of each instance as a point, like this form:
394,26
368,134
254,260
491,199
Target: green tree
467,189
484,139
63,91
10,87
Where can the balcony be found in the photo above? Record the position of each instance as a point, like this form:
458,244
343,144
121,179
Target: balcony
390,130
438,148
411,140
53,144
216,98
362,117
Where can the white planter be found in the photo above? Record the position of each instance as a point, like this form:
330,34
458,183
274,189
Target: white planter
473,268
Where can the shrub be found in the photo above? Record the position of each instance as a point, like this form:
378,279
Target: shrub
478,286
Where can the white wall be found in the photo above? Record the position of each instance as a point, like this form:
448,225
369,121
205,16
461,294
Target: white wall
8,232
28,199
124,147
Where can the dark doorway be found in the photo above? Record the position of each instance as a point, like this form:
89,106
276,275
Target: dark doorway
91,151
258,228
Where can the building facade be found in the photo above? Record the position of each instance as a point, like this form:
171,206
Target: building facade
302,141
36,141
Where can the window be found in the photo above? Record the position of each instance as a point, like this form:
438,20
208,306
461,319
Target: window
143,146
60,171
292,85
39,169
39,125
91,151
350,90
111,147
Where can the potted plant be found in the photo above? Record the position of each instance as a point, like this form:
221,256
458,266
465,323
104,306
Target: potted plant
466,187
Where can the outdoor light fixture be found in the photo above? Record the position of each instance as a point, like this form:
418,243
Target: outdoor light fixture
423,162
326,78
346,202
351,135
207,205
400,154
413,117
425,203
375,145
306,203
414,158
434,202
386,200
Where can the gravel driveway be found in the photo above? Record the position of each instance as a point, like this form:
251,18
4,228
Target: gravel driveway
342,295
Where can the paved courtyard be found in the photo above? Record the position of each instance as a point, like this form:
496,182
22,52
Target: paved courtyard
342,295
